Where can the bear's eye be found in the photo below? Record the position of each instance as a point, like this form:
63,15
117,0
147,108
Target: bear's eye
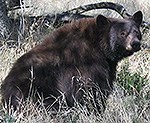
123,33
137,34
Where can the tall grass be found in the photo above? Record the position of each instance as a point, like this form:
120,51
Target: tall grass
130,100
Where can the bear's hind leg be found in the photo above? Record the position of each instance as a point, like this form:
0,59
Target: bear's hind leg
11,97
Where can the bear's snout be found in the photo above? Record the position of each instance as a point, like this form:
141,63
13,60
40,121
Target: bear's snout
136,45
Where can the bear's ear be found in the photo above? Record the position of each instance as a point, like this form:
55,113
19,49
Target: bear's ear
102,21
138,17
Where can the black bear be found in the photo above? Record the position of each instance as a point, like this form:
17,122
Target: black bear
76,56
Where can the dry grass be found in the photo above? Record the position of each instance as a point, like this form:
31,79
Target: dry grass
125,105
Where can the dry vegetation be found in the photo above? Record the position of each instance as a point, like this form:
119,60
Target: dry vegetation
130,101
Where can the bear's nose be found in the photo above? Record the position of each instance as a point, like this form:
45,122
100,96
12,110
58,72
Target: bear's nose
136,45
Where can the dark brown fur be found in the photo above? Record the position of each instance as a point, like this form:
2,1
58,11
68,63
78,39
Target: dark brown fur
77,55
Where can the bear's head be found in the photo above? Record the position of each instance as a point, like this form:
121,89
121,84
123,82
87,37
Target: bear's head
123,35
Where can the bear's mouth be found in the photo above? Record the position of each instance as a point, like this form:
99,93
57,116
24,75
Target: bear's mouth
129,53
136,49
133,49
